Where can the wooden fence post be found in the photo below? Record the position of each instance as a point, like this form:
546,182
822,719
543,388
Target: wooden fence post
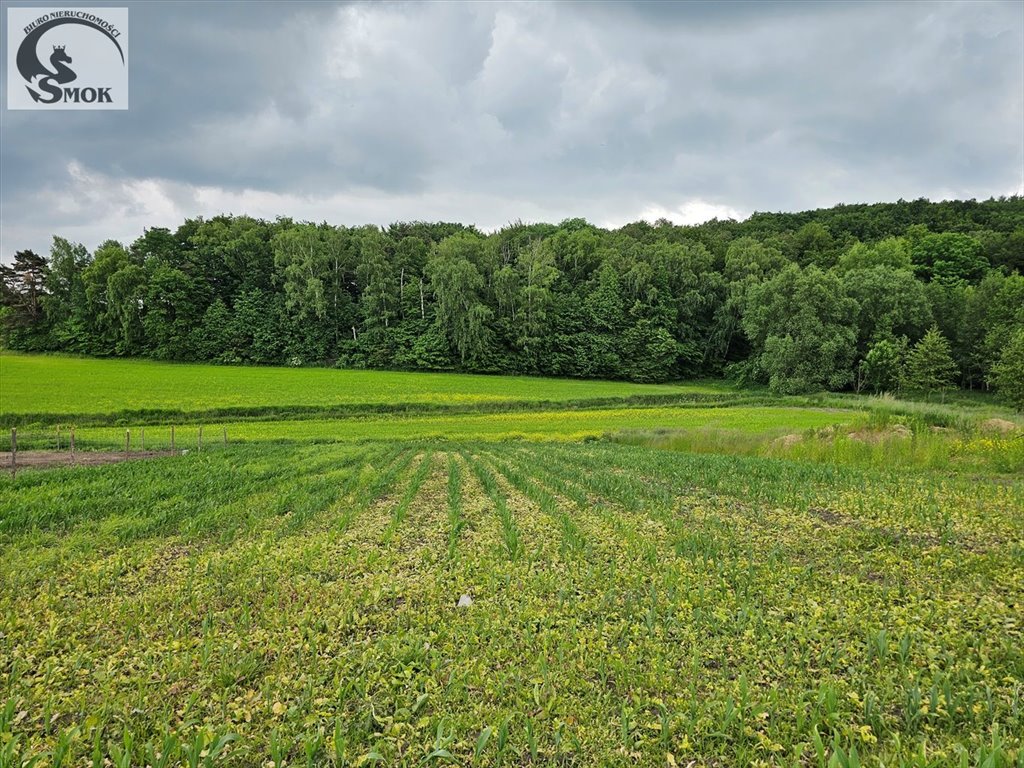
127,441
72,443
14,452
58,437
142,438
200,438
172,437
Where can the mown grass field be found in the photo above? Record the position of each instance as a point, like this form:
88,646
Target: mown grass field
292,598
74,386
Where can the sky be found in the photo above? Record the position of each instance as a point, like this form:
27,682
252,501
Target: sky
489,113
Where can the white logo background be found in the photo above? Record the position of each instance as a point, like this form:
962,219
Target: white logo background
95,60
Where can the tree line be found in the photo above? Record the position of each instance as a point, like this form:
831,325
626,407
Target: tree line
907,295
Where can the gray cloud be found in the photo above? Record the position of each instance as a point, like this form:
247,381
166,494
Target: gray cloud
490,112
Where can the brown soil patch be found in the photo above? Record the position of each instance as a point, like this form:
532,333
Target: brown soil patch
49,459
828,515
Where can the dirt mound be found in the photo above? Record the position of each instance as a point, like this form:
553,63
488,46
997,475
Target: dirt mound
878,435
786,441
998,425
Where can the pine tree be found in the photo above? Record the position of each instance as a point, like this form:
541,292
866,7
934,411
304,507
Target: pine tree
930,365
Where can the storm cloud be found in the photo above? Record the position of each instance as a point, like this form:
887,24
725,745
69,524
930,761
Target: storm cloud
486,113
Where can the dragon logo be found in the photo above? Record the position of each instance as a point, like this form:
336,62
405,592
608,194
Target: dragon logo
61,74
91,82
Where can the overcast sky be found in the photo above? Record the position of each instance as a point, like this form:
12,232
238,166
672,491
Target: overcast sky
488,112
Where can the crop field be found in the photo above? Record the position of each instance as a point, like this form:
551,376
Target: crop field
407,591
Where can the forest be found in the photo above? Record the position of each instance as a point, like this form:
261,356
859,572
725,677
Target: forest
895,297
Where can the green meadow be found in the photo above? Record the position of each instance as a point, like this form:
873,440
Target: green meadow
76,386
504,572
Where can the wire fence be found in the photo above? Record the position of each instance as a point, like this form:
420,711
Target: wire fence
22,448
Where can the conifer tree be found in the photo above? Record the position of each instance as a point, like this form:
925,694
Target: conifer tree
930,365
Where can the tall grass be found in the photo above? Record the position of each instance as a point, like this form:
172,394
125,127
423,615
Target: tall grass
878,440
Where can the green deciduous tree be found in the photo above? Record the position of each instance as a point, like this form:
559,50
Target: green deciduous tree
1008,372
126,301
259,327
456,284
801,326
316,264
175,307
231,254
649,353
379,285
813,244
211,339
107,309
882,368
949,258
536,264
66,304
890,303
893,252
